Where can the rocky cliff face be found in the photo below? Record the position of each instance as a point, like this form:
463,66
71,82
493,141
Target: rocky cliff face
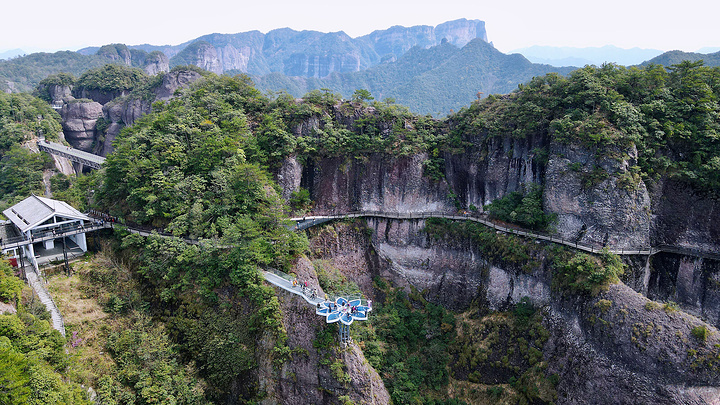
618,347
80,117
482,175
374,184
460,32
397,40
591,201
156,62
692,282
99,96
201,54
307,377
598,197
79,120
685,217
58,93
125,111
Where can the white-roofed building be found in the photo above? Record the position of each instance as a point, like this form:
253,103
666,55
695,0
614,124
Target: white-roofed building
45,223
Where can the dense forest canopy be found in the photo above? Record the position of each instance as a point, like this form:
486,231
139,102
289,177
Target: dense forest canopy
22,118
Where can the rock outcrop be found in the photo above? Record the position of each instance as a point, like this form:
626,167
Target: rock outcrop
685,217
156,62
600,210
58,93
201,54
79,121
174,81
80,117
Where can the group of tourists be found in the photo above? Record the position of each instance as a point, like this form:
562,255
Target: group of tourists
103,216
311,292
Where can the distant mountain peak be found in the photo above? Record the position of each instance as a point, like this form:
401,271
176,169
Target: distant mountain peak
573,56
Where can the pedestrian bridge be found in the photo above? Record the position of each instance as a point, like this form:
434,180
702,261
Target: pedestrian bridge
72,154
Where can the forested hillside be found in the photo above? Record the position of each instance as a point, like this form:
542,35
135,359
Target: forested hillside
428,81
674,57
22,118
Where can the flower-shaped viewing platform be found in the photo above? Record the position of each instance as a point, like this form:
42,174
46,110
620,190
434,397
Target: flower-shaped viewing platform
344,311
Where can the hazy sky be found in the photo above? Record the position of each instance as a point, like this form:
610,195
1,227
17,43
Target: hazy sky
34,25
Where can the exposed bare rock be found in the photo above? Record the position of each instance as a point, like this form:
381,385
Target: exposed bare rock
460,32
378,183
618,347
7,308
691,282
97,95
124,111
79,119
116,52
174,81
63,165
59,92
233,57
480,176
289,177
201,54
685,217
156,62
347,247
305,273
596,199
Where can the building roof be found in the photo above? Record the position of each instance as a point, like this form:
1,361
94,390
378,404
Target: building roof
35,210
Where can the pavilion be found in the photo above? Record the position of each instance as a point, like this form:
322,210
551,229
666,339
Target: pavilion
45,229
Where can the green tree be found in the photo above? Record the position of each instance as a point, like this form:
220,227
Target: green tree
361,95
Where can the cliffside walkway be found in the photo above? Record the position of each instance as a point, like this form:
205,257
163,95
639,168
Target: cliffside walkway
313,220
284,281
72,154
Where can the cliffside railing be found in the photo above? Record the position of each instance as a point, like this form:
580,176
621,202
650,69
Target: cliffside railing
72,154
65,230
309,221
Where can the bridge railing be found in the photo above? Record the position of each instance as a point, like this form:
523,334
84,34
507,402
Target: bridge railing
311,220
75,155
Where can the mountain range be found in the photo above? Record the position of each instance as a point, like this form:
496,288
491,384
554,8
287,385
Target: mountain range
431,70
309,53
428,81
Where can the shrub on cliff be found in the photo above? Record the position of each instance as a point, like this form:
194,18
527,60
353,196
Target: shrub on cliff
585,274
523,208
